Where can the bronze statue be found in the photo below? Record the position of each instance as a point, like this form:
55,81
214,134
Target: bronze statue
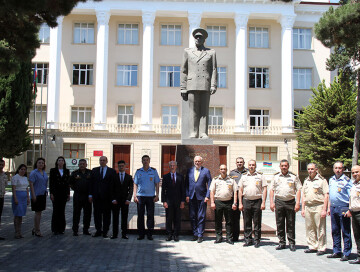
198,81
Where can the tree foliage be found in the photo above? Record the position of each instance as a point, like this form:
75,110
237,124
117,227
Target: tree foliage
19,25
15,100
340,29
327,124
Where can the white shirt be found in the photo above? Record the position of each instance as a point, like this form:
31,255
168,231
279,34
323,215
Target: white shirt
21,183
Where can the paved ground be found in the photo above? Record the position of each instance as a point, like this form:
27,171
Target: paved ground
84,253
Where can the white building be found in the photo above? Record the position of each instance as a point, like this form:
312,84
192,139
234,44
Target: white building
114,68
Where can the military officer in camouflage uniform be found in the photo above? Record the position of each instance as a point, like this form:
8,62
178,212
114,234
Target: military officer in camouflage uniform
286,187
252,198
315,195
236,175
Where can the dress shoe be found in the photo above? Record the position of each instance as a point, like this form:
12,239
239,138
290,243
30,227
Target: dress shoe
236,240
357,261
2,238
86,232
75,234
217,241
141,237
169,238
280,247
230,242
292,248
320,253
194,238
200,240
249,243
344,258
310,250
176,238
334,255
150,237
96,234
124,236
55,233
257,244
113,237
105,236
61,232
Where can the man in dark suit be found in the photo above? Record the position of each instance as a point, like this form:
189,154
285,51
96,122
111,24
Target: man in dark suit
123,190
198,79
198,180
101,195
173,198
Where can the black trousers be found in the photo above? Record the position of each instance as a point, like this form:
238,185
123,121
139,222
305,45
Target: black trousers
236,223
223,209
173,219
148,203
102,215
1,206
356,229
58,222
285,217
252,214
124,217
81,202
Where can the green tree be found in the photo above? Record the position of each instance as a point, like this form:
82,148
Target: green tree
327,124
15,100
340,29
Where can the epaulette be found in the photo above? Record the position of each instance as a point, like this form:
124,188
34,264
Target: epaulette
347,178
320,176
261,173
138,169
277,173
153,168
289,172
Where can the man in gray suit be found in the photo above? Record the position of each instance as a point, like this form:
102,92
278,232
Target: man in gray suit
198,82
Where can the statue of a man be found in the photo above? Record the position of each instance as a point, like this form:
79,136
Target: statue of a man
198,81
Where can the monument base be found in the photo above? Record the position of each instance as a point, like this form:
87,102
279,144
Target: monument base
196,141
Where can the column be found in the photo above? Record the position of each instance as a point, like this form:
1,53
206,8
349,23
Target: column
194,18
148,18
54,76
241,82
102,48
287,91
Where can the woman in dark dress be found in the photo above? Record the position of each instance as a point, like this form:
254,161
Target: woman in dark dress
59,194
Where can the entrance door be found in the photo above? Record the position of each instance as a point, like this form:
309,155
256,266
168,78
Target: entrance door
222,154
121,152
167,155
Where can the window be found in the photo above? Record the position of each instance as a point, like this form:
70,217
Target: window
302,78
74,151
128,34
264,153
42,70
259,118
258,77
84,33
82,74
30,152
40,116
215,116
126,75
296,115
125,114
302,38
259,37
44,33
169,76
170,115
217,36
81,115
221,77
170,34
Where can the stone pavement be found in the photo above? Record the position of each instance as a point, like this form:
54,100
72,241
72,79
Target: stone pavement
84,253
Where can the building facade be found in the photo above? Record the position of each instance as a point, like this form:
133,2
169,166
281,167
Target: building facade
109,79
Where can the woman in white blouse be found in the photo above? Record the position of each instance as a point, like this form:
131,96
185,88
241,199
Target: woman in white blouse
21,198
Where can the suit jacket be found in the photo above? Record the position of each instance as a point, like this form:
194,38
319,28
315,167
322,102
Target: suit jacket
102,188
198,70
170,193
59,185
201,186
123,191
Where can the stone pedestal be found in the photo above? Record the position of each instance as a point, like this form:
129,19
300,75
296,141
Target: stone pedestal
185,159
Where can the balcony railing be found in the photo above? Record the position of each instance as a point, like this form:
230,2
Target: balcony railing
168,129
